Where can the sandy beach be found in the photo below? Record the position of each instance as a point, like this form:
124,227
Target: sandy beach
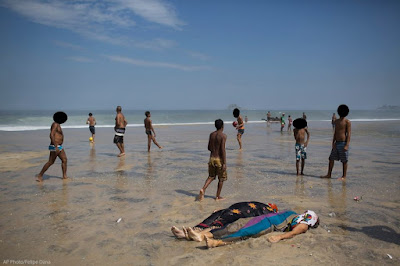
73,222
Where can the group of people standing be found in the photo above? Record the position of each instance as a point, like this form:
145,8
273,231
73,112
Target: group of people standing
57,137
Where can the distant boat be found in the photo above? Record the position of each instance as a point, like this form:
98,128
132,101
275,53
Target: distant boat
389,107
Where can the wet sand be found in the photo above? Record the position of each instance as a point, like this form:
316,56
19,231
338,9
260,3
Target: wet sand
73,222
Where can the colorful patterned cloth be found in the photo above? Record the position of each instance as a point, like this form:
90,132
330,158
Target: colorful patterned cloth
236,211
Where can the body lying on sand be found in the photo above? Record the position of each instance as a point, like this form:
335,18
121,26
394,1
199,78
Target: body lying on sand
229,225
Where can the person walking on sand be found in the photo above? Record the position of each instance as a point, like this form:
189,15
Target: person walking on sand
340,142
120,125
92,122
299,132
239,126
149,129
217,162
304,116
56,149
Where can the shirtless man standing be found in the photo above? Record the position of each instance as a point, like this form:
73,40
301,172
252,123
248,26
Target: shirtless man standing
217,163
300,131
340,142
92,122
149,130
120,124
56,149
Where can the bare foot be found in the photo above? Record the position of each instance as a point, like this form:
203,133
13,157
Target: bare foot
212,243
161,147
342,178
194,235
177,233
121,154
39,178
219,198
325,176
186,233
297,174
302,173
65,177
201,195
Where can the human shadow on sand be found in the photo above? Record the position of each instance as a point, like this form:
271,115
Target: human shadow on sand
191,194
380,232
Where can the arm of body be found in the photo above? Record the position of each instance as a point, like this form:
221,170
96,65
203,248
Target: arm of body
334,140
152,128
299,229
223,152
308,137
240,123
348,135
53,132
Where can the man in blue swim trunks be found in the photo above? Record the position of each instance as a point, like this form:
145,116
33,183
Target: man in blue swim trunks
340,142
56,149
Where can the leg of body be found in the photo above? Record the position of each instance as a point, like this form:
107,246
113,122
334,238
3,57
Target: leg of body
203,190
148,142
121,149
330,167
344,170
297,166
63,156
220,184
50,162
302,166
155,142
239,139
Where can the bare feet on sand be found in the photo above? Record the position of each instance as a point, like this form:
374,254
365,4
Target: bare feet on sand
194,235
186,233
212,243
178,233
121,154
219,198
201,195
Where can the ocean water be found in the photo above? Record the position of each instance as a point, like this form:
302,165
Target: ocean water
40,120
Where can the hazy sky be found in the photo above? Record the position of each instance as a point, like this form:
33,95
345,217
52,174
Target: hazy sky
199,54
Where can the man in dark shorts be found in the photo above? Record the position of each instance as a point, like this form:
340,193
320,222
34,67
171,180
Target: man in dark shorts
340,142
149,130
239,126
92,122
217,163
120,124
